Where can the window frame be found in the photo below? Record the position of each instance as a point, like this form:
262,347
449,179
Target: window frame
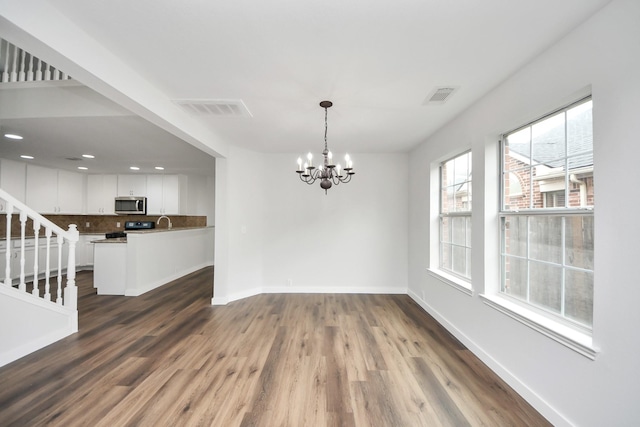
466,214
531,212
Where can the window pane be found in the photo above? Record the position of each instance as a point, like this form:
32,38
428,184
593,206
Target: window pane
514,232
459,260
580,128
546,238
517,150
445,229
447,202
579,241
545,286
462,169
447,171
468,224
516,189
581,180
462,198
458,229
548,140
579,296
515,277
445,256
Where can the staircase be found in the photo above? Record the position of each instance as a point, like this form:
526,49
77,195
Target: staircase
36,308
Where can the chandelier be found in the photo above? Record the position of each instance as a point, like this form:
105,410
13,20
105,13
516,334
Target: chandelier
327,172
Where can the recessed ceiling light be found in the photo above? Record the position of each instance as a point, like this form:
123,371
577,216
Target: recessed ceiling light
83,168
88,156
134,168
24,156
12,136
159,168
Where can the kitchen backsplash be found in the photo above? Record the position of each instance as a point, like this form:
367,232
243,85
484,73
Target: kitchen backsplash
99,224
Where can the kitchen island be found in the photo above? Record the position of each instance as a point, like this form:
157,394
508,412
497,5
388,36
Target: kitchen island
147,259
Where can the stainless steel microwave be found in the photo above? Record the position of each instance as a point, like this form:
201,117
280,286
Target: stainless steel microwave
131,205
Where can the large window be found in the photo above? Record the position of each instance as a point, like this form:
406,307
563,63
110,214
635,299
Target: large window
547,215
455,216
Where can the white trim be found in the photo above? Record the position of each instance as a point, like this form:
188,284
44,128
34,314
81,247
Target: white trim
535,400
451,280
136,292
382,290
577,341
37,344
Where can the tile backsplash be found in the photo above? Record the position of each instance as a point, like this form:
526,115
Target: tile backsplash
99,224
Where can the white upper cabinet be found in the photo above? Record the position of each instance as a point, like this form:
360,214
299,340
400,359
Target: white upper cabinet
164,195
132,185
54,191
101,193
70,191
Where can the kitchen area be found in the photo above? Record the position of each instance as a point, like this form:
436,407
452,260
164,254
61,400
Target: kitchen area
137,231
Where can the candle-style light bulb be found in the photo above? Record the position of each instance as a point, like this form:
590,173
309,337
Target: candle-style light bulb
310,158
306,165
338,169
299,164
320,167
330,155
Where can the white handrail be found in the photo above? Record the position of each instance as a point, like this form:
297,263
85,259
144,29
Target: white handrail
10,205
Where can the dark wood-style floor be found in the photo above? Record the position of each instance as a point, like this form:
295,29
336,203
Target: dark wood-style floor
168,358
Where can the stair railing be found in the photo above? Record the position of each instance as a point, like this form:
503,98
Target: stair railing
18,65
55,240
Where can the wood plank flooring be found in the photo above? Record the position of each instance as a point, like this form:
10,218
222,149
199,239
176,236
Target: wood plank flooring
168,358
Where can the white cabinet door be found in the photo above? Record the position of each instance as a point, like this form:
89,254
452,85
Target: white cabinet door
42,189
53,191
13,178
164,195
132,185
171,195
101,193
155,202
70,190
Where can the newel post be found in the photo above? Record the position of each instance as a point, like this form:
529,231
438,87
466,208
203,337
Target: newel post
71,291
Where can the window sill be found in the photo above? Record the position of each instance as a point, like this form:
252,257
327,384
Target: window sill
451,280
569,337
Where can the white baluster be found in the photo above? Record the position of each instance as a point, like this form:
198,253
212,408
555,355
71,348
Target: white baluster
71,291
36,231
31,67
5,73
23,225
47,73
21,73
7,268
39,72
14,70
47,273
59,296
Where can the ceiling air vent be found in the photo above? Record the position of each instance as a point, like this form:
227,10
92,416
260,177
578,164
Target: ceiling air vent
215,107
440,95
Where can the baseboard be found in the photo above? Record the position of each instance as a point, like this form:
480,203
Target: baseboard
135,292
35,345
521,388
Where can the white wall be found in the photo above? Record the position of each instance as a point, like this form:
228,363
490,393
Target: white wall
568,388
354,239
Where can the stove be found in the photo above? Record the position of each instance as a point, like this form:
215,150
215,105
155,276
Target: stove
139,225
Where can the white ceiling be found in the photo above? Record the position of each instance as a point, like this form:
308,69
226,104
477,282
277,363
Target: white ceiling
376,60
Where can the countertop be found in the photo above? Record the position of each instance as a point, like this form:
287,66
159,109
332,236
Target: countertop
154,230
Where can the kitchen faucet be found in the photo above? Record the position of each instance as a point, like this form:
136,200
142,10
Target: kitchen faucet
164,216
